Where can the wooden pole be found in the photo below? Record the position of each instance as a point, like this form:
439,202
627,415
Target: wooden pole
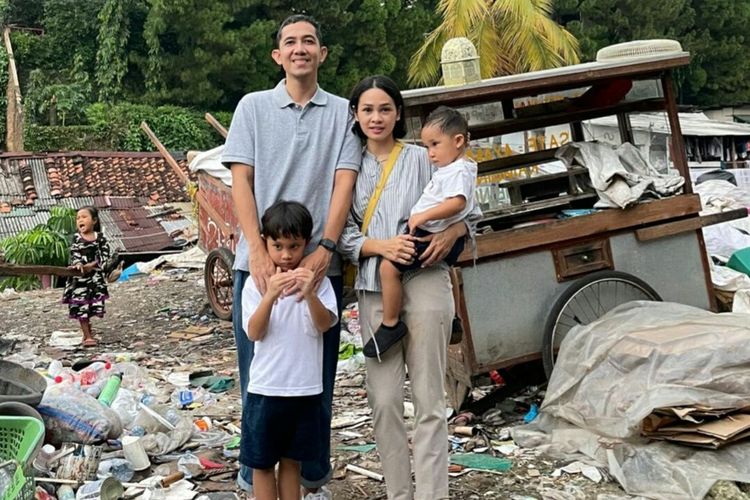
215,124
199,196
14,112
7,269
678,142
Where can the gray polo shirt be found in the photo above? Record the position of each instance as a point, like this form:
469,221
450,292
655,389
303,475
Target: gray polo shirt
295,152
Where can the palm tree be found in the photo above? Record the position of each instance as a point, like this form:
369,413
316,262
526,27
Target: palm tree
511,36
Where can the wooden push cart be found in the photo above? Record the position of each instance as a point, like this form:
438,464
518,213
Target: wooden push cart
531,281
217,228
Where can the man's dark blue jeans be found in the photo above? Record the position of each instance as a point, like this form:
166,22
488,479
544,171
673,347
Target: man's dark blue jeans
315,473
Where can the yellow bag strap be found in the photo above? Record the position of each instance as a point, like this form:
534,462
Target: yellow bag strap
387,168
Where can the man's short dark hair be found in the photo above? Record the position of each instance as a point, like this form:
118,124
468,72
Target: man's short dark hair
299,18
287,219
448,121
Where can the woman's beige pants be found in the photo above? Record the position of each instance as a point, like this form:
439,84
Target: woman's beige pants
427,310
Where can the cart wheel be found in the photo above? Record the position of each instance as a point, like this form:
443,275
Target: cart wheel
217,276
586,300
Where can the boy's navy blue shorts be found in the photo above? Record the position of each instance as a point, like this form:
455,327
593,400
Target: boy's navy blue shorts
421,246
275,427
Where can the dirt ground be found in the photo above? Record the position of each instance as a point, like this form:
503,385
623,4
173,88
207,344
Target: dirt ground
144,311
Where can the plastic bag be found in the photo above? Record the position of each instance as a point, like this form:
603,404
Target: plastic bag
126,406
73,416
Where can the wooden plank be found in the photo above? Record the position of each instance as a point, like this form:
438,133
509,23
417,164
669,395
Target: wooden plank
216,125
683,226
521,124
514,161
538,82
526,238
35,270
534,206
199,196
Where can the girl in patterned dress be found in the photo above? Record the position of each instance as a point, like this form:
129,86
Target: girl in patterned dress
85,295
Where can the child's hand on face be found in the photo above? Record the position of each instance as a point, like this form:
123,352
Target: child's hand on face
305,280
278,283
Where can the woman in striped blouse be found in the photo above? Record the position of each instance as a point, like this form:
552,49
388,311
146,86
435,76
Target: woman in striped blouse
428,307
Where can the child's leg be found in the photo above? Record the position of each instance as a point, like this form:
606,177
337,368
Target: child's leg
88,337
264,484
289,483
391,329
390,281
456,291
457,329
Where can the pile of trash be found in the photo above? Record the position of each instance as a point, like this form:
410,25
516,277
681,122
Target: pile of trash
728,243
114,429
616,378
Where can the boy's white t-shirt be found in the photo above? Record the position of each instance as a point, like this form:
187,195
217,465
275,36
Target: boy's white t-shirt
288,361
456,179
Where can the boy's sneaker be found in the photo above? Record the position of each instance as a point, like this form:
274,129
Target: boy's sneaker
457,331
323,493
384,338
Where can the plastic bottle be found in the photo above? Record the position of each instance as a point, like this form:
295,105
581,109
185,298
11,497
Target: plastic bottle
95,389
65,492
68,377
6,476
54,368
95,371
110,389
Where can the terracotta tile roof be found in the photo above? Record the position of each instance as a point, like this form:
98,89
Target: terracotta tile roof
26,177
119,184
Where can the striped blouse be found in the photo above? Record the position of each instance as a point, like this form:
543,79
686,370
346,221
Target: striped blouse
409,177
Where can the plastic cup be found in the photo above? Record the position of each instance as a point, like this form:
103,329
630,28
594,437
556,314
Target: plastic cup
132,448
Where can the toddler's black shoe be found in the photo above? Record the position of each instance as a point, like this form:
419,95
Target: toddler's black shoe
385,336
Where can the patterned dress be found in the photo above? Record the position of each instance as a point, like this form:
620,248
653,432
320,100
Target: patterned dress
85,295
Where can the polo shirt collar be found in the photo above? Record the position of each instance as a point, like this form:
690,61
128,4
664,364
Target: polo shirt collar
283,99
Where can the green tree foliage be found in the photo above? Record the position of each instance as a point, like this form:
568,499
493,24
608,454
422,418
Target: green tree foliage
47,244
712,30
111,58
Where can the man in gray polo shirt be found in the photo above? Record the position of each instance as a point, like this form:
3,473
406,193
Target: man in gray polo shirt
293,142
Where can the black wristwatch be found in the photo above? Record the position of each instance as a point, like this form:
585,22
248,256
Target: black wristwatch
329,245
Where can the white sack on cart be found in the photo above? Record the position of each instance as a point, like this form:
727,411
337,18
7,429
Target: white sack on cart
640,356
621,175
210,162
722,240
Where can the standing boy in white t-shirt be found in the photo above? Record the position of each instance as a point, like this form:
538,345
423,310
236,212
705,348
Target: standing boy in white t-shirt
283,416
447,199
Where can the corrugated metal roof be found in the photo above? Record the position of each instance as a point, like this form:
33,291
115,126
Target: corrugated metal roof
76,202
111,231
39,172
141,233
171,226
10,224
11,187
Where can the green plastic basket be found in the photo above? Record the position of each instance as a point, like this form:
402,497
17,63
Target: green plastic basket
18,439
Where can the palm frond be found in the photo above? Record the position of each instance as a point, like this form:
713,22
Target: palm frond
486,40
511,36
424,67
459,16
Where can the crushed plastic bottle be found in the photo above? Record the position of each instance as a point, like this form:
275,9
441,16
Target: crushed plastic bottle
95,371
7,471
119,468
